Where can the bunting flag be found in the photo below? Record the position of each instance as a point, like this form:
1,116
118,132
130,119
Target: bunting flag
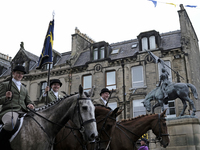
46,55
155,4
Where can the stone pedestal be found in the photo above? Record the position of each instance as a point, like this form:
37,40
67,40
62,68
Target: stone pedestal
184,134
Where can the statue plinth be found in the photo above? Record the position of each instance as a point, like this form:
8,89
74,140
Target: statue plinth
184,134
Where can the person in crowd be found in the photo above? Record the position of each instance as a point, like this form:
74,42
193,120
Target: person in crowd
143,143
14,99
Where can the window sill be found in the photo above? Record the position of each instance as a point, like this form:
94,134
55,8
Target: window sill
142,87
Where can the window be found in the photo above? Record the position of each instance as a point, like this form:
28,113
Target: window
137,76
134,46
138,108
87,83
148,43
112,105
110,80
115,51
95,53
144,44
152,42
43,86
171,112
102,52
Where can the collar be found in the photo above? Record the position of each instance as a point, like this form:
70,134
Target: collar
18,83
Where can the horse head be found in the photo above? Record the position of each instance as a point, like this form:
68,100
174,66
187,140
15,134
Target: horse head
147,103
84,116
159,128
106,125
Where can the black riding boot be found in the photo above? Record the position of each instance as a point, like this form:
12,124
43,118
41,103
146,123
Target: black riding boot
4,140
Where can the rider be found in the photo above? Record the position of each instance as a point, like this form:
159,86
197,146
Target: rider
14,101
143,143
53,94
105,94
164,82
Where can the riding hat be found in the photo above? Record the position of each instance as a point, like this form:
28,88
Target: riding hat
104,90
19,68
55,81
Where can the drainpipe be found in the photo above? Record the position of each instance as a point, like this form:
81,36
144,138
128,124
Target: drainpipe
124,94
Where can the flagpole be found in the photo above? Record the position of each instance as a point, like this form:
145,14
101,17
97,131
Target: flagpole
48,75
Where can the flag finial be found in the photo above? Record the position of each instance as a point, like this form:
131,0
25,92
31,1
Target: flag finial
53,13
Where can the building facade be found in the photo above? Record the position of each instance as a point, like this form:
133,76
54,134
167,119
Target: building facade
124,67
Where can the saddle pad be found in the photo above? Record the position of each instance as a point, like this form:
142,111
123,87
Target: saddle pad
21,122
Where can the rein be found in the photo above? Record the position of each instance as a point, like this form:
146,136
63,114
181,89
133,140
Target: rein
103,130
81,129
160,134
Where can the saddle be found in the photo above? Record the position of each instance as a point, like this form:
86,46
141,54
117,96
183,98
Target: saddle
17,127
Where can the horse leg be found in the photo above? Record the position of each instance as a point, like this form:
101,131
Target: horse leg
192,104
184,107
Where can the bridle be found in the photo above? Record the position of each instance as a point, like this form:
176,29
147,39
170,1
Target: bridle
82,123
81,129
133,143
160,135
99,141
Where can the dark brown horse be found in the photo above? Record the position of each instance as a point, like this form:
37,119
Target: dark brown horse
72,140
127,132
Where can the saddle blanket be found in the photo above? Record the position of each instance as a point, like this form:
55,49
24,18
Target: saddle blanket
20,125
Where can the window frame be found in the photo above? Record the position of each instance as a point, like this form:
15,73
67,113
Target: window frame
111,85
135,83
86,89
133,104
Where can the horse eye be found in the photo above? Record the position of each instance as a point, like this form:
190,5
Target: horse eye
84,108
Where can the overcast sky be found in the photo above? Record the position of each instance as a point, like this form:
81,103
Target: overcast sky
102,20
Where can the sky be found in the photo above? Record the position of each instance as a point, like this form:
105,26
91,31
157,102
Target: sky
111,21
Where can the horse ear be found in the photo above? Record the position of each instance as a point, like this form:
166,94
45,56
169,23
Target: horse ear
80,89
115,111
119,112
163,113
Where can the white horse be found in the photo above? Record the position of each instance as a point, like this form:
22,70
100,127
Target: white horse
38,132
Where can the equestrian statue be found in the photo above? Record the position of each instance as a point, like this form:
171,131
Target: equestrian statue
167,90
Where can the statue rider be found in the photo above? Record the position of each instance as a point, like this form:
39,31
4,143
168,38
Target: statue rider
164,82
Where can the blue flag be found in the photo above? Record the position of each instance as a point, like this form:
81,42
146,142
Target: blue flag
46,55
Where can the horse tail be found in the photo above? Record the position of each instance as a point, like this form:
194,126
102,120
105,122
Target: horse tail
193,89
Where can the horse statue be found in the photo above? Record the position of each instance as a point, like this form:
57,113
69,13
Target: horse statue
38,132
174,90
106,121
127,132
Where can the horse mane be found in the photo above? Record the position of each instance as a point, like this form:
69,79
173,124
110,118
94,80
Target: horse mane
102,106
53,103
140,116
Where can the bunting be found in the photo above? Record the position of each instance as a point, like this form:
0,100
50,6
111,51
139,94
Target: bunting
155,4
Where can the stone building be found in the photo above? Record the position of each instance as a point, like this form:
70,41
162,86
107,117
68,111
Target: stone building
124,67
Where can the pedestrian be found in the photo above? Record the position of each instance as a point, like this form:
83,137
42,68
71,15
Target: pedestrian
143,143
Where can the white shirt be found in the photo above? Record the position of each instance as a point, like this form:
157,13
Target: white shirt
105,102
17,83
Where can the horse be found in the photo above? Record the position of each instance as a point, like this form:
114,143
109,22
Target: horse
127,132
174,90
38,132
106,121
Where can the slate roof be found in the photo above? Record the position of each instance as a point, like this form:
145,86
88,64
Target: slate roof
83,58
64,56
